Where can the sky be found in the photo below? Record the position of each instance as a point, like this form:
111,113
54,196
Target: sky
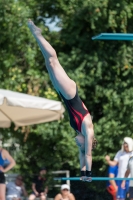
50,23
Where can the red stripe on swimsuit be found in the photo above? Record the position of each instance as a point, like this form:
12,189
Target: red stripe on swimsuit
76,111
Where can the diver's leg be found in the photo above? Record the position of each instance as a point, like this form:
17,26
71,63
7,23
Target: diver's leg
59,78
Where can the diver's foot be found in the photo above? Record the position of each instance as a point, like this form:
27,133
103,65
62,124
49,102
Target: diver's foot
34,29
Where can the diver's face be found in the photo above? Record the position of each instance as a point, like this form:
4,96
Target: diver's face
80,141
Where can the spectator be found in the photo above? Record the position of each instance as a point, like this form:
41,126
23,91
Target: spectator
4,155
38,189
121,158
65,193
128,171
15,190
111,184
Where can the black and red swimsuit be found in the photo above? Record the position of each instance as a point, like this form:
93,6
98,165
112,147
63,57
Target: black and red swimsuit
76,111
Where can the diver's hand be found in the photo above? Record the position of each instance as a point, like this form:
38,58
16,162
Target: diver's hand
86,178
83,178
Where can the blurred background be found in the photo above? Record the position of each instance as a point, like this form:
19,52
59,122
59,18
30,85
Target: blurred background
103,71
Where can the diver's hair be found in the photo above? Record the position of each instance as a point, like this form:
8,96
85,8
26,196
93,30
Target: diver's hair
94,143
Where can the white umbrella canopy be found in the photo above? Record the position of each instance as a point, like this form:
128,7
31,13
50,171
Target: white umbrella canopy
23,109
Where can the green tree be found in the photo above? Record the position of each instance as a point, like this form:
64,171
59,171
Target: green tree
22,70
101,69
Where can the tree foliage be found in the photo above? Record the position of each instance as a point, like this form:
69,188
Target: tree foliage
103,71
